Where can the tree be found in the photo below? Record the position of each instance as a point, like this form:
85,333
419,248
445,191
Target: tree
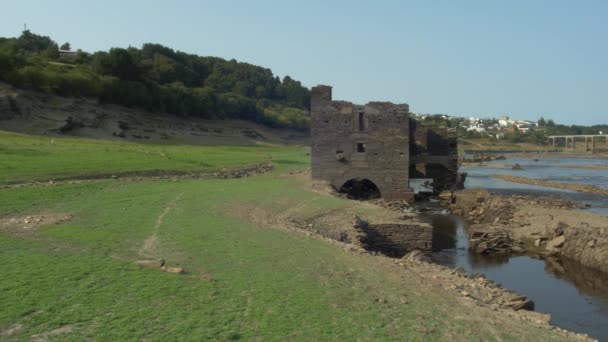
542,122
157,78
550,123
35,43
118,62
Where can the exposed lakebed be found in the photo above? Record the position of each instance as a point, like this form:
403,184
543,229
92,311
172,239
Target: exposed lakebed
576,297
548,168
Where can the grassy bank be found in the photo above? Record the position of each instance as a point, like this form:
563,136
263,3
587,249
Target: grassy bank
31,158
246,277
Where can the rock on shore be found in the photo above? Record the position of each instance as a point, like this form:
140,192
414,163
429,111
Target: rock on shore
540,226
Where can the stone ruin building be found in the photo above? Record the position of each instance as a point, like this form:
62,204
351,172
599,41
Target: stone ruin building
374,150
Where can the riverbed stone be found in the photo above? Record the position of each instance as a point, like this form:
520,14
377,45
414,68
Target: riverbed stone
558,242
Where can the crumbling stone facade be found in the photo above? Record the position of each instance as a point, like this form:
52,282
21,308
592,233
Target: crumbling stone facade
380,143
360,142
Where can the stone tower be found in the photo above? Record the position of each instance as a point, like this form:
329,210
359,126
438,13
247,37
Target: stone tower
353,144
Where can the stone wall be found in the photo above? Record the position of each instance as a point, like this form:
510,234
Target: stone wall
360,142
397,239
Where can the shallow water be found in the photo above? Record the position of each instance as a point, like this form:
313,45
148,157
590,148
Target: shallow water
547,168
576,297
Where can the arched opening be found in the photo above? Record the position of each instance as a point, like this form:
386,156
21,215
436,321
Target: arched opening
360,189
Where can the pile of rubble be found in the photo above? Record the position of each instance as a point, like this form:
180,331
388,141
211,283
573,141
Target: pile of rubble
493,243
554,241
479,206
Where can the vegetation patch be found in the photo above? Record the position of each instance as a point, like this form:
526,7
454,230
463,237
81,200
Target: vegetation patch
266,284
159,79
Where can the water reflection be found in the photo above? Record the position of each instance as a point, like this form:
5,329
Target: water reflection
576,297
588,280
444,235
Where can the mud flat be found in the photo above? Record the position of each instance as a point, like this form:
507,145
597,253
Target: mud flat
541,227
567,186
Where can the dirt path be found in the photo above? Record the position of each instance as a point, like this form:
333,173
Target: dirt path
150,245
568,186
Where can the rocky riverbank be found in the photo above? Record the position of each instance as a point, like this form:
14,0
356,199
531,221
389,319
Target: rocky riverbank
542,227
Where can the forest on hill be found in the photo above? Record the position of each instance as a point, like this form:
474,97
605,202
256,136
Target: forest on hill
158,79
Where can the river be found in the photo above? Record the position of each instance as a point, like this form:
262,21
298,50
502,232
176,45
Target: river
576,297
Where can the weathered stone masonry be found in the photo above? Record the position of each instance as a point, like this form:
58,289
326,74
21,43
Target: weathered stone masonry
378,142
361,142
397,239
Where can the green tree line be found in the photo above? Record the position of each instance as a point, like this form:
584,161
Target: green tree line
157,78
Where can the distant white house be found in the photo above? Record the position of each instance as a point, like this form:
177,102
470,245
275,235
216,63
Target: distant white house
476,128
503,123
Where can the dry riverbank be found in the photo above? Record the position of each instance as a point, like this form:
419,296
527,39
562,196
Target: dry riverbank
537,226
568,186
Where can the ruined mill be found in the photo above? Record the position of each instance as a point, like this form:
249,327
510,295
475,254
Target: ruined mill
375,149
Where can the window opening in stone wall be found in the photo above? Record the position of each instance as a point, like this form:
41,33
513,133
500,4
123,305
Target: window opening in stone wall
360,147
361,121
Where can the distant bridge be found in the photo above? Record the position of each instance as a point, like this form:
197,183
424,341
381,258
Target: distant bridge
570,140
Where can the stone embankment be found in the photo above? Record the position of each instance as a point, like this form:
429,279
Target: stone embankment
543,227
152,175
568,186
395,238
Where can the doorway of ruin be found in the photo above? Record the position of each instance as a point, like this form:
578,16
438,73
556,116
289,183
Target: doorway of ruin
360,189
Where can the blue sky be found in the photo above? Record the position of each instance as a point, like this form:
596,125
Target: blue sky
485,58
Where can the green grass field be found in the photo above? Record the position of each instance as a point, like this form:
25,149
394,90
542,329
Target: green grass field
77,280
30,158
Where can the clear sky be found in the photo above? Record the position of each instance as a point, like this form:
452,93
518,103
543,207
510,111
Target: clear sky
484,58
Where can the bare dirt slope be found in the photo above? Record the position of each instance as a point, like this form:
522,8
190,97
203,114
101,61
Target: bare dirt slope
39,113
